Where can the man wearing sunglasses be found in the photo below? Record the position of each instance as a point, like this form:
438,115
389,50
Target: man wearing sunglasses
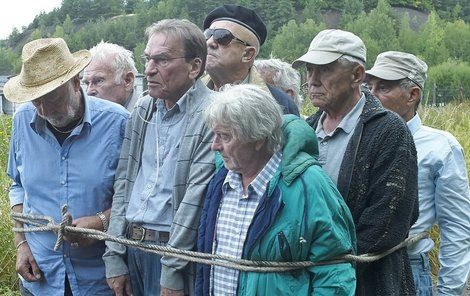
234,35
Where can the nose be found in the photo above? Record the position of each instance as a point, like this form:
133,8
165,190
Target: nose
91,90
211,42
216,146
313,77
150,68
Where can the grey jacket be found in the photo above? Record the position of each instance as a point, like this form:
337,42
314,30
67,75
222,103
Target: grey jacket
193,172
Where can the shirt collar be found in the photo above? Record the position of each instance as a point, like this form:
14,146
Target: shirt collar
259,184
414,124
348,123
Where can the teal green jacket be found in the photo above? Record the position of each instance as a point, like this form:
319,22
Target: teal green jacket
301,217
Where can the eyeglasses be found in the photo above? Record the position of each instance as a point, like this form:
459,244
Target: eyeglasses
159,60
222,36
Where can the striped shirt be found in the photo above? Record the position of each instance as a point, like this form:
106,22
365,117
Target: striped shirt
236,212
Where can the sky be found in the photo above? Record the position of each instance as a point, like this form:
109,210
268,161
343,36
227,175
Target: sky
19,13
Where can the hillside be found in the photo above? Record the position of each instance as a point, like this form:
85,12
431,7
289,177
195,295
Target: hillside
438,31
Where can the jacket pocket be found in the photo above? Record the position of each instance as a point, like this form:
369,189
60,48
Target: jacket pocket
284,247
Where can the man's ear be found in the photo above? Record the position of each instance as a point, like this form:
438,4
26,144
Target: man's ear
415,96
195,68
249,54
76,83
358,74
129,78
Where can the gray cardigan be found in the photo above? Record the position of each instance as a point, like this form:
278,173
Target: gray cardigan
194,170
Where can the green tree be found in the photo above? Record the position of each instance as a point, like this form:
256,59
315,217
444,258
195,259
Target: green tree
68,25
430,41
377,30
59,32
457,40
293,40
407,38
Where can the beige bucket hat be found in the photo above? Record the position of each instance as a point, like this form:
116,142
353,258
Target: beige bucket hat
46,64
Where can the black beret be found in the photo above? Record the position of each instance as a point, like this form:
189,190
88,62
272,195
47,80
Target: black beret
240,15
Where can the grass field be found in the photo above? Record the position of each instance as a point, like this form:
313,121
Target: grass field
454,118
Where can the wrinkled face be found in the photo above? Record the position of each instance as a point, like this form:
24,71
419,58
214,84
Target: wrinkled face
169,76
224,57
60,106
100,81
390,94
237,156
329,85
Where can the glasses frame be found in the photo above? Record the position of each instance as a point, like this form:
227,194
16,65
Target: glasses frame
159,59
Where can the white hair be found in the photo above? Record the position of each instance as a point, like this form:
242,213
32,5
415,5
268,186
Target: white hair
347,60
120,62
250,113
284,76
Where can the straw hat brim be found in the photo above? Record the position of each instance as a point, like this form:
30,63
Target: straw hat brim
16,92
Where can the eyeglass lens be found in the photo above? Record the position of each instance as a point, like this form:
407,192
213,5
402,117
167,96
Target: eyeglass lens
221,36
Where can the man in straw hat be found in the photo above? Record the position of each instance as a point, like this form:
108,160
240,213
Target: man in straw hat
64,151
165,166
397,79
369,153
234,35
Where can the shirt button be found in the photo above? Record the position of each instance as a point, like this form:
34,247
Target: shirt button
63,157
62,182
149,186
324,143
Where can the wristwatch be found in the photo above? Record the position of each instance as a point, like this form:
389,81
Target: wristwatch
103,219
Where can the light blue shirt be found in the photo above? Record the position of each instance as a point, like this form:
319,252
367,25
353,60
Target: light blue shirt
150,204
443,199
79,174
333,145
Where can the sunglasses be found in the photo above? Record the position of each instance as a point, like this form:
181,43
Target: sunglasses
222,36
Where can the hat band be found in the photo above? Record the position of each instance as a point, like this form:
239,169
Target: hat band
49,79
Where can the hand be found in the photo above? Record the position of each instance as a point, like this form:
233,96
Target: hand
26,265
121,285
170,292
91,222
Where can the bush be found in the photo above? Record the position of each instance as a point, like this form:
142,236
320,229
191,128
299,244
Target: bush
447,81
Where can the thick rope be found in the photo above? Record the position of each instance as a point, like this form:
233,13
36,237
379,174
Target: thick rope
42,223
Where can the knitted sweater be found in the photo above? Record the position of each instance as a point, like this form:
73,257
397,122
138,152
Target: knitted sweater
378,180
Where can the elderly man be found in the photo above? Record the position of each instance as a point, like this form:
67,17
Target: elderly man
280,74
51,165
397,79
234,35
165,165
111,74
369,153
272,202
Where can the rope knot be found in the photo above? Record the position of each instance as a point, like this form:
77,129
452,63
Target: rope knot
66,221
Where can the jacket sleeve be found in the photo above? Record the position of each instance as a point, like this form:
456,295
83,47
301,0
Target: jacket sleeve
452,202
392,194
115,252
186,219
333,236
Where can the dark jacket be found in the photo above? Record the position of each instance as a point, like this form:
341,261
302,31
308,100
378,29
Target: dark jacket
378,180
302,216
284,100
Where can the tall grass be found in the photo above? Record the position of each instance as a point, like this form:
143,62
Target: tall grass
454,118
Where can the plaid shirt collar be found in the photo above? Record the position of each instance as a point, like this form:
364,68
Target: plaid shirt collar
258,186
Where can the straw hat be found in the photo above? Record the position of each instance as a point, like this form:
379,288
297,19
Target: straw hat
47,64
